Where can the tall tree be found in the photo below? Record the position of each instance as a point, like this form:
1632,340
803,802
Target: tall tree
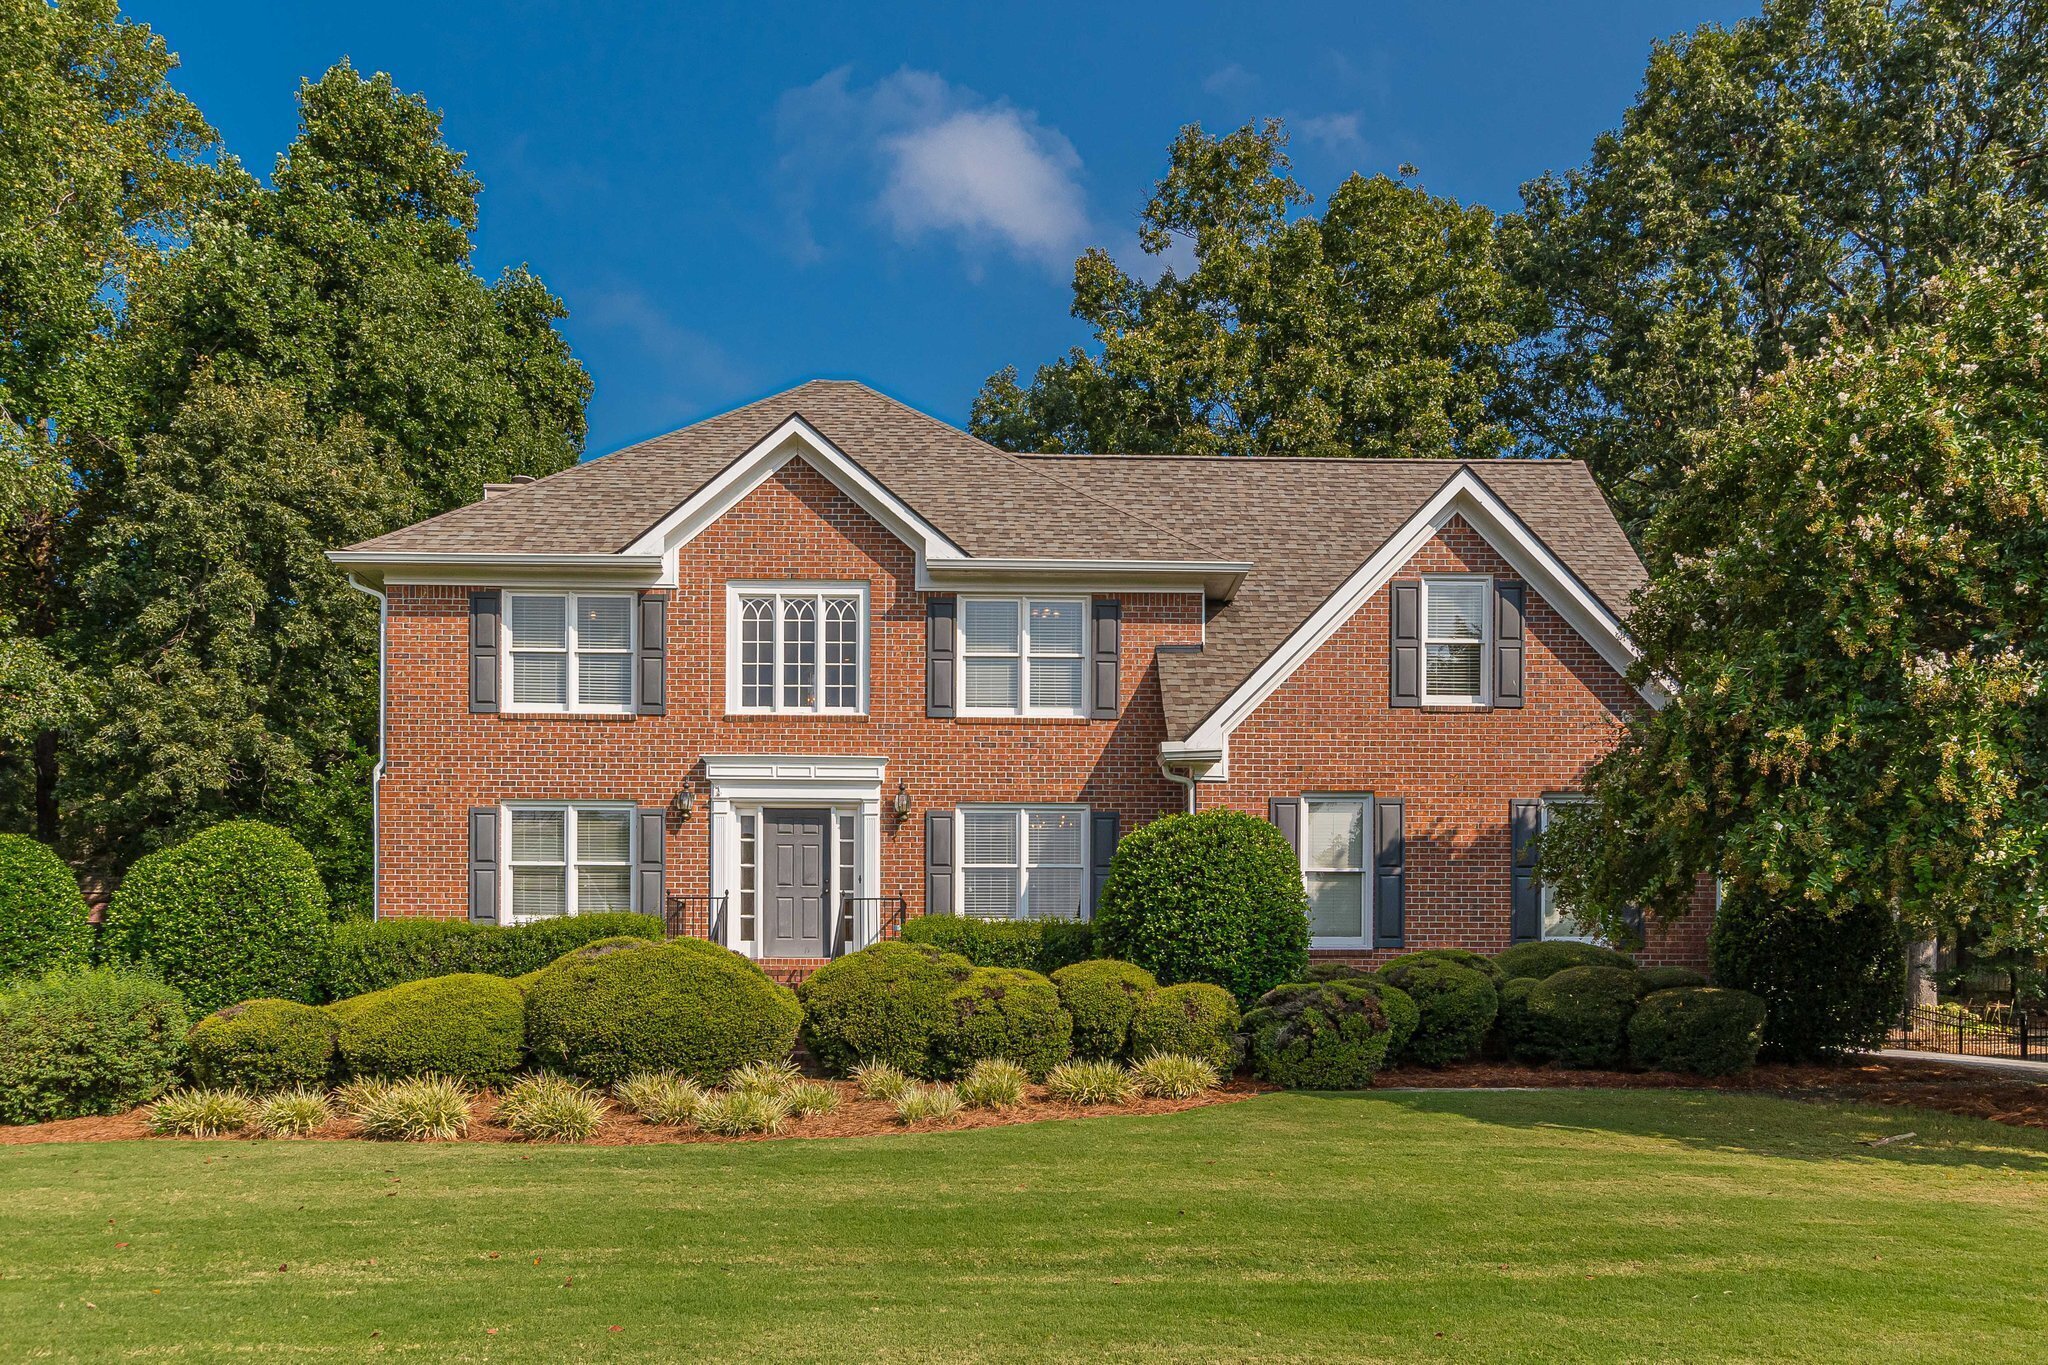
1799,172
1381,327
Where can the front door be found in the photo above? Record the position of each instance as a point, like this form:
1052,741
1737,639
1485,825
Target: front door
796,895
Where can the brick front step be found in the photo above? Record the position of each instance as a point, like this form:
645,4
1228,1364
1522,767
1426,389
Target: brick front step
791,970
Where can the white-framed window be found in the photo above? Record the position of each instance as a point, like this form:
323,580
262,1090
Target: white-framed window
1556,922
567,860
797,648
1023,656
1023,862
1336,861
569,651
750,874
1456,629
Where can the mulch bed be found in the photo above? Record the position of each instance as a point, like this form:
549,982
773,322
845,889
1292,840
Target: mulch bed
1950,1090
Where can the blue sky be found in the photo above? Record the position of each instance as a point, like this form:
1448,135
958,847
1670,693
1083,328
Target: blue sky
732,199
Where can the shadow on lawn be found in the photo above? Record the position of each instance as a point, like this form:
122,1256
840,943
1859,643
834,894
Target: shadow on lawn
1723,1122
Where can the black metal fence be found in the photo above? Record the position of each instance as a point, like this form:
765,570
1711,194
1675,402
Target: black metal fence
1949,1028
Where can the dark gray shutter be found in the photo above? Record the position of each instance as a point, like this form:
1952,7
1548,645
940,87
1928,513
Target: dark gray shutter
483,865
1405,665
1285,811
1102,834
941,645
1390,875
652,663
938,862
1510,649
486,609
1526,920
650,889
1107,646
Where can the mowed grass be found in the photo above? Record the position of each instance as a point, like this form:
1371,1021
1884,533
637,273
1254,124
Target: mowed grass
1547,1225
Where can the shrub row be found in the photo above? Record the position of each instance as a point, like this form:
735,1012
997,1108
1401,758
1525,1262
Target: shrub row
1036,945
371,955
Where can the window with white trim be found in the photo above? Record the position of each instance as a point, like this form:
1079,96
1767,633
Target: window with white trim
750,871
568,860
798,650
1023,656
1455,616
1557,922
1334,854
569,651
1023,862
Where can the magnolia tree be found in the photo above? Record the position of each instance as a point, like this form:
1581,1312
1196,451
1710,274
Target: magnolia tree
1847,604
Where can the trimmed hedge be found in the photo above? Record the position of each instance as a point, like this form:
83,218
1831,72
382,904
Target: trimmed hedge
885,1003
1460,957
1004,1012
1214,896
262,1045
1455,1004
1034,945
469,1025
1332,1035
1548,957
1706,1030
43,916
688,1005
1666,979
1577,1017
1102,995
1511,1021
235,912
1336,971
370,955
1830,984
1195,1019
95,1041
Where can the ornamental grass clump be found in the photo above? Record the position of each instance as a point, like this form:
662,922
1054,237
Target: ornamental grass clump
661,1096
293,1113
1090,1083
422,1109
1174,1076
358,1095
883,1081
551,1108
763,1078
201,1113
809,1099
928,1104
735,1113
994,1083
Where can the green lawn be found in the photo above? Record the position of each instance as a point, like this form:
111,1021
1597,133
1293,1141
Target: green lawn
1547,1225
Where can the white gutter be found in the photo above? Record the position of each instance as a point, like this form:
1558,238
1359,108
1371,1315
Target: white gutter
377,771
1187,782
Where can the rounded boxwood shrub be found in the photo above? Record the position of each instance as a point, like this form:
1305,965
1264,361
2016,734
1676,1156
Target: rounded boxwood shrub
1548,957
1336,971
1215,896
1706,1030
1195,1019
468,1025
1511,1020
1462,957
884,1003
1331,1035
43,916
1102,995
87,1041
1003,1012
368,955
689,1006
1455,1004
1577,1017
262,1045
1666,979
1829,983
1036,945
234,912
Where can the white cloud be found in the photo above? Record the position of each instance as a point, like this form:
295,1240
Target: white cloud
1230,80
1337,132
927,158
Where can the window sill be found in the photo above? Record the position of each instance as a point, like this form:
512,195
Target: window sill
611,717
993,718
796,715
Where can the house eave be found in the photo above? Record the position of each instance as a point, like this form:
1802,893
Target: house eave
383,567
1217,579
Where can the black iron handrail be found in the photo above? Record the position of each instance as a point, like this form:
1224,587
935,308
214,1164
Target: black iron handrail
888,915
679,913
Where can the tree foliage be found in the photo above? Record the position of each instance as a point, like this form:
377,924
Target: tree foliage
1848,601
1793,174
1381,327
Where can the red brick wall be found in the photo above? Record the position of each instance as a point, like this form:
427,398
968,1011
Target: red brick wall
1327,728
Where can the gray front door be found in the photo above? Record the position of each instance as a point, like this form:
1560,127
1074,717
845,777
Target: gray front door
796,893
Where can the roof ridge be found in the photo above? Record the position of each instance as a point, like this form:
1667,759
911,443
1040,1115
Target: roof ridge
1332,460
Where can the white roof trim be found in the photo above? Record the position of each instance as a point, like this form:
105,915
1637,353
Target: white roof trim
1464,494
461,566
794,438
1217,578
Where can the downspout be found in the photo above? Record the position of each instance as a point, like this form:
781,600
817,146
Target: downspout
1187,782
377,771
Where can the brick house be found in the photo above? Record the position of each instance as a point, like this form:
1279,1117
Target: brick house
822,663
